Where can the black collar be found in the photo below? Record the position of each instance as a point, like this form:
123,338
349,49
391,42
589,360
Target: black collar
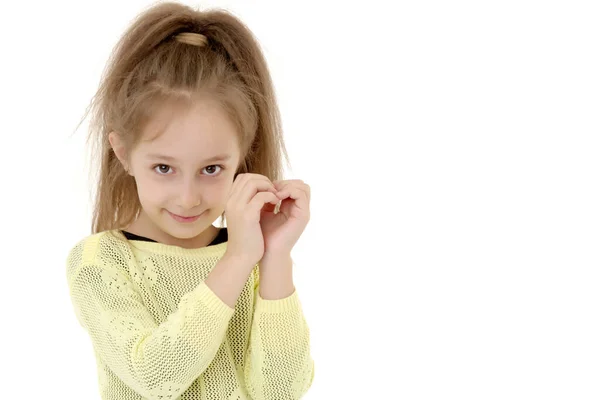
222,237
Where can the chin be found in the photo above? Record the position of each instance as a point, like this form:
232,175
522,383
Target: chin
181,232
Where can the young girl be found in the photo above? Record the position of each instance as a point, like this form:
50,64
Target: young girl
189,131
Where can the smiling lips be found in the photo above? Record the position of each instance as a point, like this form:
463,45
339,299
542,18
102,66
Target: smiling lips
179,218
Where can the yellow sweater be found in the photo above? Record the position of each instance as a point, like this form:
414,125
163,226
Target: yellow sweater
159,332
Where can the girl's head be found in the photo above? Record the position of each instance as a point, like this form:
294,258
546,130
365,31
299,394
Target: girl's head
182,87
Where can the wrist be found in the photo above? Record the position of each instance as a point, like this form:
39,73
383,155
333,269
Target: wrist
276,257
237,259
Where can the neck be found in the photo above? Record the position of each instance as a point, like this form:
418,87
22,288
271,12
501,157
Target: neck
143,226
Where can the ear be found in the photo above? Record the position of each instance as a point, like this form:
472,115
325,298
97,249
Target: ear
118,147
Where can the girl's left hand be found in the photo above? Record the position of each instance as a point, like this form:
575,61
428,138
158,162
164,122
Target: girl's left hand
281,231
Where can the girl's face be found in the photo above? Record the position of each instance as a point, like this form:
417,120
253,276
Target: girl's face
186,171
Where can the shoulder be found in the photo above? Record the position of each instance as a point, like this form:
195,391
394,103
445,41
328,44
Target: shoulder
100,249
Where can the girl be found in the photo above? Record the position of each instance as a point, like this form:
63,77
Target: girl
188,131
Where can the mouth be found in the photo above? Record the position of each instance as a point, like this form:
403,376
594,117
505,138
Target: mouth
180,218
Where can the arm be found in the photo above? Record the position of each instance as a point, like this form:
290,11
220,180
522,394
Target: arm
276,278
278,363
154,360
228,278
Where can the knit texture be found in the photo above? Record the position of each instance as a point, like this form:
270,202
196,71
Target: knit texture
159,332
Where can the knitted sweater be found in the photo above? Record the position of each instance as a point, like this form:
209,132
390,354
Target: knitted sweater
159,332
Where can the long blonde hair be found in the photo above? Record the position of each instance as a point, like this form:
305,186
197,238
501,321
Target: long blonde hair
154,62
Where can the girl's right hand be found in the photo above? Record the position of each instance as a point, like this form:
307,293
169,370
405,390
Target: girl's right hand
249,194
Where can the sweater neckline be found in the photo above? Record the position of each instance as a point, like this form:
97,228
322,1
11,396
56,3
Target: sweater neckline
150,245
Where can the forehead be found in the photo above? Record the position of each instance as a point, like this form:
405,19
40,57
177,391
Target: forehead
200,130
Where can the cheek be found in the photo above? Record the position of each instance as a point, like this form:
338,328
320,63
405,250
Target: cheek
150,193
217,195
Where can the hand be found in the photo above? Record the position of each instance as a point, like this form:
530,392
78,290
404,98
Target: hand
281,231
248,196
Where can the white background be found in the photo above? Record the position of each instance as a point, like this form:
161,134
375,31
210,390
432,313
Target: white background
452,150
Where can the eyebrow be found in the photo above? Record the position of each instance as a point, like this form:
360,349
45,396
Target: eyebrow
220,157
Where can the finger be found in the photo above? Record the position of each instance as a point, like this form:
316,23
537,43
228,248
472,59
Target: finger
263,198
281,185
237,184
254,185
240,182
282,188
294,192
260,177
298,193
282,182
248,186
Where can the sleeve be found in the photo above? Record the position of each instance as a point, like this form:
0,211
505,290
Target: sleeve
278,363
154,360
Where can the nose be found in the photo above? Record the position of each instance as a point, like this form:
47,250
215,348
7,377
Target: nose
188,197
